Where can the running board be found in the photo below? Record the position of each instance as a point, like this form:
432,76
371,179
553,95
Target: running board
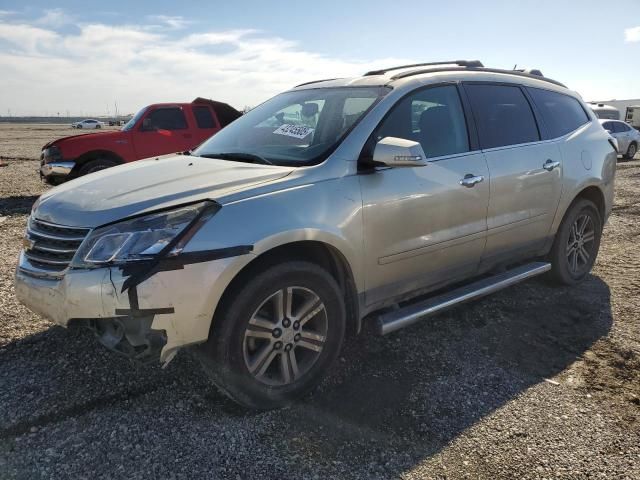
412,313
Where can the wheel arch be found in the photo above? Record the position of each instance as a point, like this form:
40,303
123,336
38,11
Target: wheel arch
593,194
93,155
317,252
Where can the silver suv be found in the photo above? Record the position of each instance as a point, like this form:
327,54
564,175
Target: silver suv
334,201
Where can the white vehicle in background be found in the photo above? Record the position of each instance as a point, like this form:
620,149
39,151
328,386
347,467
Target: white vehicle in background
632,116
606,112
628,139
88,123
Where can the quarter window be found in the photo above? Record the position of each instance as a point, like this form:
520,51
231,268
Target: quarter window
165,119
204,119
503,115
433,117
561,113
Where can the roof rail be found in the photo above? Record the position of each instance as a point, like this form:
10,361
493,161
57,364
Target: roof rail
460,63
316,81
480,69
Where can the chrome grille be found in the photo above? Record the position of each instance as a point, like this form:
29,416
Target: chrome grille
52,247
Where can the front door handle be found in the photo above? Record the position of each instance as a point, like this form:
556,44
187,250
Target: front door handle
470,180
550,165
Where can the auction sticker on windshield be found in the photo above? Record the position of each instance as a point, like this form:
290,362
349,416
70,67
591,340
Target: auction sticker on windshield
297,131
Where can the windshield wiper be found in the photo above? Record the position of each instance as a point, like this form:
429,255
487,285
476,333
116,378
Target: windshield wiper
239,157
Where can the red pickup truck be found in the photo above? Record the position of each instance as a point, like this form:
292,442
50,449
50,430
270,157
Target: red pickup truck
158,129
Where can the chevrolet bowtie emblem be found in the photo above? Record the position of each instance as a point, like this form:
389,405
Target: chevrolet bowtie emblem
27,243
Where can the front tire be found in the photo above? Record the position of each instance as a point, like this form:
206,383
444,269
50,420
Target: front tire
576,245
276,337
631,151
96,165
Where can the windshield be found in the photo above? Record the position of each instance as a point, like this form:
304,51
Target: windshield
129,125
295,128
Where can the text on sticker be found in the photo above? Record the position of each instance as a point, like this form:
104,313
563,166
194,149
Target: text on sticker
297,131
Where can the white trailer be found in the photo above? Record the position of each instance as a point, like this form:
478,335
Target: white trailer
632,116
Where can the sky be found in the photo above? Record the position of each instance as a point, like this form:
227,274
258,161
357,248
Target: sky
84,57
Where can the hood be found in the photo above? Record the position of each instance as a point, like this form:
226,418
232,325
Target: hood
91,137
146,185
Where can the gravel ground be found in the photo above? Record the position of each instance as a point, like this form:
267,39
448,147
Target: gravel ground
534,382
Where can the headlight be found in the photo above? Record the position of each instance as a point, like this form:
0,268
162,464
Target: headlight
51,154
142,238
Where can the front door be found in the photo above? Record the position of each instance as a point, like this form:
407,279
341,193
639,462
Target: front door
422,227
163,130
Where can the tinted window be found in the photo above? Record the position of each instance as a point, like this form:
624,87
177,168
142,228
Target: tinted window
165,119
561,113
503,115
433,117
204,119
621,127
608,126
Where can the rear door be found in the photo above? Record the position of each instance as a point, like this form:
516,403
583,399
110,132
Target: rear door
526,172
163,130
422,227
205,123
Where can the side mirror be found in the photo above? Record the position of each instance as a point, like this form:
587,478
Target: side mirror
147,126
399,152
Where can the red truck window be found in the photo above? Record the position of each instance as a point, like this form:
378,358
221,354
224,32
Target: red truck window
165,119
204,118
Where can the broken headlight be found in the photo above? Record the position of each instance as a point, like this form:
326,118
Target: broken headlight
143,237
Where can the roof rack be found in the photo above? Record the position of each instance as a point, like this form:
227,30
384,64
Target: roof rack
316,81
460,63
535,74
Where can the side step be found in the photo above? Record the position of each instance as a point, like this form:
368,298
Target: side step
412,313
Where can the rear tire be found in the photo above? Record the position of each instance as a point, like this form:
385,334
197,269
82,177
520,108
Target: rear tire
631,151
576,244
96,165
263,354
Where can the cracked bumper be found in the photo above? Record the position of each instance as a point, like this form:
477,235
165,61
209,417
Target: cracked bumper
94,297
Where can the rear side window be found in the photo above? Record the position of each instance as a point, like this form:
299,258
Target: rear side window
621,127
165,119
503,115
561,113
431,116
204,119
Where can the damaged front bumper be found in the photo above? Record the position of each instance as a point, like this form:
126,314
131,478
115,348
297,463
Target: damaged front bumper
170,310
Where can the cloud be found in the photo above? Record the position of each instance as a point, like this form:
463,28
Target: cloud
174,22
632,34
93,66
54,18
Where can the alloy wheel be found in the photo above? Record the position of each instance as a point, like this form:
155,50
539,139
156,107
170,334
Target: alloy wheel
581,243
285,336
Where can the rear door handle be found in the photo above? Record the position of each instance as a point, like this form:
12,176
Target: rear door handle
470,180
550,165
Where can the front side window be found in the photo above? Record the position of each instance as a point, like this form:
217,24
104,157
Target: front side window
503,115
295,128
431,116
561,113
165,119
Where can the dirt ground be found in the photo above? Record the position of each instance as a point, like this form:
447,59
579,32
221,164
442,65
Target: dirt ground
533,382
